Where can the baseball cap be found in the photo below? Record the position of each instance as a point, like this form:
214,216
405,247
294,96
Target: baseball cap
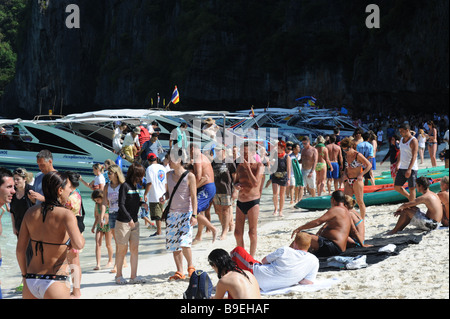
152,157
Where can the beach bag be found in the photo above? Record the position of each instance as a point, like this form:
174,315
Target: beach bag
200,286
167,209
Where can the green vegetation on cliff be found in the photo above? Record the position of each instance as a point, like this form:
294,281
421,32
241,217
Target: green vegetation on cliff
10,13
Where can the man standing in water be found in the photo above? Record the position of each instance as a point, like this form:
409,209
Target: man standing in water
44,159
206,189
249,182
6,194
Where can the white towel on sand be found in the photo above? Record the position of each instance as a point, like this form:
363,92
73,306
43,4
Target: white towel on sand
318,285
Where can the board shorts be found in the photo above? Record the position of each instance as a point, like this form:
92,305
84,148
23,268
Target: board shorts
421,221
335,173
400,179
327,248
156,210
309,181
223,200
178,231
205,195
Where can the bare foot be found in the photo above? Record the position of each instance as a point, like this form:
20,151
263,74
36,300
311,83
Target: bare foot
97,268
275,213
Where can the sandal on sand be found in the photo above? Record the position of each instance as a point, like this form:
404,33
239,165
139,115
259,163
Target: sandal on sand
121,281
191,270
137,280
178,276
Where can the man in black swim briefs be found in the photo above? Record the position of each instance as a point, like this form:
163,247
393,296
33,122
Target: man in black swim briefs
249,181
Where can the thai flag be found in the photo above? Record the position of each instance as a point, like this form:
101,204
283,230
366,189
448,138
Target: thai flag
175,96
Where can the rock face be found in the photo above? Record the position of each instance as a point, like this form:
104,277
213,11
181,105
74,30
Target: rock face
231,54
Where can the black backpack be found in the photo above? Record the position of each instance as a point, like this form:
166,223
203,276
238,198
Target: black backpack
200,286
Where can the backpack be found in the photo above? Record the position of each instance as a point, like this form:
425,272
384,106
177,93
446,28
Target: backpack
200,286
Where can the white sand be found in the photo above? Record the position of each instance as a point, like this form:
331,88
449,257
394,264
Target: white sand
419,272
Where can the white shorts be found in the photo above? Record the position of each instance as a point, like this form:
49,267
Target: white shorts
423,222
309,181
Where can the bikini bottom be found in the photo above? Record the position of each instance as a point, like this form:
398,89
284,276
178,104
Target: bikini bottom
39,284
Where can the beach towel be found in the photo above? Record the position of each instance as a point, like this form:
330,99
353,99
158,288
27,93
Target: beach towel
297,173
374,254
318,285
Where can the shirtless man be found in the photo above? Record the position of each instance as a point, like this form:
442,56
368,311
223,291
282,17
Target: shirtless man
6,194
309,162
204,176
249,182
443,195
336,159
410,213
331,239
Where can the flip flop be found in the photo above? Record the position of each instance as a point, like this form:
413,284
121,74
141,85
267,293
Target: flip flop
178,276
191,270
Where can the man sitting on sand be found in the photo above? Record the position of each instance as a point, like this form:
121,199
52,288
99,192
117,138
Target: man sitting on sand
443,195
410,213
282,268
331,239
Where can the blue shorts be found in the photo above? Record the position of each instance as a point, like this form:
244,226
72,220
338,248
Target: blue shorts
205,195
374,163
335,173
112,219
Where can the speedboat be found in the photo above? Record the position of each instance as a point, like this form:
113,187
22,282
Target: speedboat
22,140
98,126
325,125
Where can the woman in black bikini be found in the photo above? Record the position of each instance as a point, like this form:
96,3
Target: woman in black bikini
355,168
52,229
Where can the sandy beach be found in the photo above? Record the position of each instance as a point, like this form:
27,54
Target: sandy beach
420,271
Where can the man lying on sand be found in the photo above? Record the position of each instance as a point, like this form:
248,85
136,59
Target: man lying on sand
410,213
331,239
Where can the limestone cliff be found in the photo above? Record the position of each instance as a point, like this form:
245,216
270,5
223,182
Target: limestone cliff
231,54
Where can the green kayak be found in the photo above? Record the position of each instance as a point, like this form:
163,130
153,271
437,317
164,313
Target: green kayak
370,199
420,171
433,175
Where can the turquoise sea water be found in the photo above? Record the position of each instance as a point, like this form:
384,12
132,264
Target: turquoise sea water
9,271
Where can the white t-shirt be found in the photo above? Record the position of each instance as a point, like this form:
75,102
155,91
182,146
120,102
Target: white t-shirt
156,174
99,179
129,140
287,267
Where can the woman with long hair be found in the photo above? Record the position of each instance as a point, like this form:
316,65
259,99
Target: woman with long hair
52,230
421,138
111,202
238,283
323,161
356,167
127,225
281,179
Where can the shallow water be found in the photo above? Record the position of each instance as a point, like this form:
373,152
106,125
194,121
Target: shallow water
10,275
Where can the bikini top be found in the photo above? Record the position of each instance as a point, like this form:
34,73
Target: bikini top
354,163
40,246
